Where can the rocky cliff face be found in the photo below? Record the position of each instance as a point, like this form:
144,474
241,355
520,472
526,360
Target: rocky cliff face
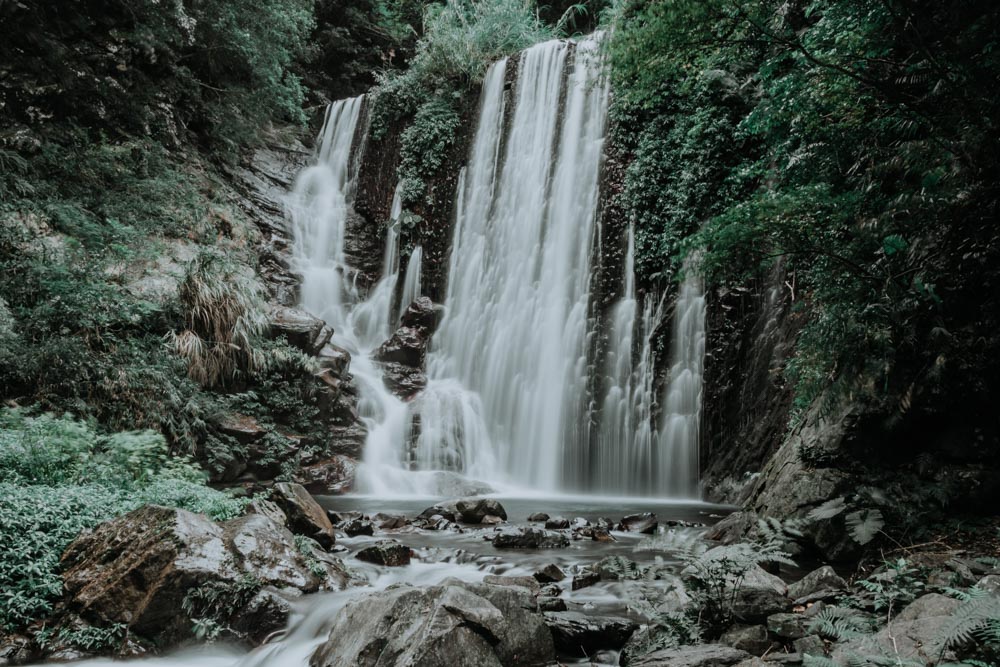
747,401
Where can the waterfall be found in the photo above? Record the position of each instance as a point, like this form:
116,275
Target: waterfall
679,429
509,397
411,281
515,334
318,212
626,441
319,207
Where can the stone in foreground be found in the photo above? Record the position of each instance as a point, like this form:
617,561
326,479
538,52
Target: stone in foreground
704,655
580,635
530,538
386,552
454,624
138,569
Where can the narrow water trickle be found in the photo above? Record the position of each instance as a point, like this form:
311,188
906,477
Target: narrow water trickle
679,429
626,440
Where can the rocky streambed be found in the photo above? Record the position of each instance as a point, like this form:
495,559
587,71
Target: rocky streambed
345,581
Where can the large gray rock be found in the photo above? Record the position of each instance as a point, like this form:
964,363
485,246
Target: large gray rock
139,568
578,635
750,638
702,655
911,636
305,516
755,595
450,625
302,330
474,510
821,579
759,595
529,538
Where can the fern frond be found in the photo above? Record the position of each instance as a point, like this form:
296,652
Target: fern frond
840,624
828,510
978,617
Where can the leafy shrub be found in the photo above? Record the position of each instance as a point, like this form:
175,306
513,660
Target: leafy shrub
827,138
225,317
59,477
425,144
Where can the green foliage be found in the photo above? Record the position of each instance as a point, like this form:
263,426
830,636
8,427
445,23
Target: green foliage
58,477
975,622
425,144
715,577
894,588
841,624
841,139
461,38
89,638
224,312
211,605
219,67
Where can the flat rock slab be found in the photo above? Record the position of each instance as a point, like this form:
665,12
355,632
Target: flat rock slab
577,634
704,655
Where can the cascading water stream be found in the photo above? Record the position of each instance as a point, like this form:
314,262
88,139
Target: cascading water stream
679,429
411,281
509,362
626,440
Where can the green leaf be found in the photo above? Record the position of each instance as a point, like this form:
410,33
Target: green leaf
894,243
865,524
828,510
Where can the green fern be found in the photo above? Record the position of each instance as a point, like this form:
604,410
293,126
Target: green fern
976,620
840,624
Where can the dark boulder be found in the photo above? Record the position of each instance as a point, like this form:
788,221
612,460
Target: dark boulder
422,314
549,574
403,380
579,635
386,552
356,527
407,346
474,510
557,523
645,523
529,538
538,517
585,578
305,516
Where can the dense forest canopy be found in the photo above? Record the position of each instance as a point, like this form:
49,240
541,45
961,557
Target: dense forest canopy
844,152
